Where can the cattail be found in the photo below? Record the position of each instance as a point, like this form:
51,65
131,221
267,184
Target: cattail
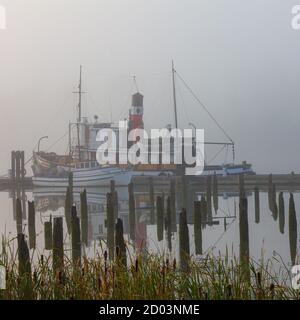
160,218
292,229
110,226
215,193
257,205
137,265
174,264
84,217
229,291
58,244
131,212
31,225
198,227
76,238
184,243
208,201
120,243
48,234
272,290
281,212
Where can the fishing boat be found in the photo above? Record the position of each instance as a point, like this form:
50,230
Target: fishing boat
52,170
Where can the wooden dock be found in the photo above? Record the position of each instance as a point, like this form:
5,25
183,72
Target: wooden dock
226,184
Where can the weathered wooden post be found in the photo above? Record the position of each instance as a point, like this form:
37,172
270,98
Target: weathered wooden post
256,205
198,227
203,211
292,229
58,245
25,286
215,193
22,180
70,184
131,211
270,192
76,238
110,225
151,200
114,193
84,217
184,242
160,218
48,234
208,201
23,256
242,192
244,237
272,197
281,212
13,179
168,224
274,204
120,244
31,225
173,217
19,216
68,209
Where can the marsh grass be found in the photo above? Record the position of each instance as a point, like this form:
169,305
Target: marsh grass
146,277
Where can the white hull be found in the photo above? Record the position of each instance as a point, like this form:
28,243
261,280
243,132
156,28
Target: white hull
99,177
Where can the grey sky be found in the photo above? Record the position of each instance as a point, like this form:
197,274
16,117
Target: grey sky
240,57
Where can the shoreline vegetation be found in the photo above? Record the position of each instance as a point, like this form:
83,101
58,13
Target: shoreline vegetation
146,277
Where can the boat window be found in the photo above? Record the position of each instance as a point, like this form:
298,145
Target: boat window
86,165
93,164
81,165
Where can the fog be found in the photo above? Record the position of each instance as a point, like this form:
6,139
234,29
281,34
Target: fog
240,57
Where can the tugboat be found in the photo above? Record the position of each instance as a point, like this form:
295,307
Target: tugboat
52,170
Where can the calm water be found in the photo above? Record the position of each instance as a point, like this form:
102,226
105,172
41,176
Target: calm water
265,238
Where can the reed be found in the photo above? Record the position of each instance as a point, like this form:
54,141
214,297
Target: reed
153,277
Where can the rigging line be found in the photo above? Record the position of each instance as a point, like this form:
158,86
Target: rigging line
204,107
58,112
184,105
216,155
58,140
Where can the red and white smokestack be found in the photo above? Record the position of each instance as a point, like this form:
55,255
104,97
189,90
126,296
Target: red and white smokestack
136,112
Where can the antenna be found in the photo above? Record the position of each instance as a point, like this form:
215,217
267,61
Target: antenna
135,83
174,95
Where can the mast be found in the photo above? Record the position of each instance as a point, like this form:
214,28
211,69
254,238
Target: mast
174,95
80,95
79,92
